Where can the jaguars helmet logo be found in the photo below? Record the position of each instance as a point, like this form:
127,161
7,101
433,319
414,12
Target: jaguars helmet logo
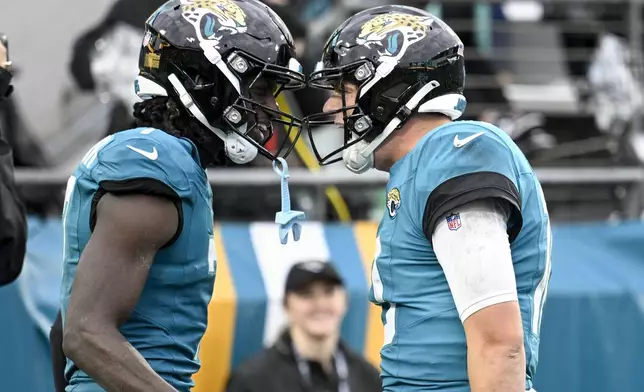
393,202
394,33
211,17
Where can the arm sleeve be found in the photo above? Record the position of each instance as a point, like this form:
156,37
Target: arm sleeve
475,255
13,221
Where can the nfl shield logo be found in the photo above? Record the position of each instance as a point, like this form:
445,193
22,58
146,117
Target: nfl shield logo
454,222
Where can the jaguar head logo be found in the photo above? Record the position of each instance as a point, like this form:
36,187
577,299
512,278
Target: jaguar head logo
393,202
394,33
211,18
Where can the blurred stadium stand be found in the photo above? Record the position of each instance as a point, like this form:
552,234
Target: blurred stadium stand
562,77
528,65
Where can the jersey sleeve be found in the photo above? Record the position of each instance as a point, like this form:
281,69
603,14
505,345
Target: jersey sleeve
139,165
465,164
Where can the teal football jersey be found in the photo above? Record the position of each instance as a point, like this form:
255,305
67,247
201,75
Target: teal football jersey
457,163
170,318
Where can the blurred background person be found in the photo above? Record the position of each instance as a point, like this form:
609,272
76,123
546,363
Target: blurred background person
27,152
309,355
105,59
13,225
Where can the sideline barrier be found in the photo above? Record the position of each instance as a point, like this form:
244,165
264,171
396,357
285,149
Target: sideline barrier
591,334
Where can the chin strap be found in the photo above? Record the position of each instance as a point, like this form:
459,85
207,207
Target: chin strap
360,157
238,149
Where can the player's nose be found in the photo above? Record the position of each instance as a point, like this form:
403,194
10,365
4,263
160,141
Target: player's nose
331,105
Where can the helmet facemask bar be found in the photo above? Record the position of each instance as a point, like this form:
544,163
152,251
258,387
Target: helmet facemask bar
356,124
243,116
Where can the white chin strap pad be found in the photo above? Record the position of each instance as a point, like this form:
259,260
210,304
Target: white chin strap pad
355,161
238,149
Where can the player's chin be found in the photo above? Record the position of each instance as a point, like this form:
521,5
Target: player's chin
378,162
261,132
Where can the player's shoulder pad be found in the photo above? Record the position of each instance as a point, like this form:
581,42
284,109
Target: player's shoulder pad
146,153
462,162
464,148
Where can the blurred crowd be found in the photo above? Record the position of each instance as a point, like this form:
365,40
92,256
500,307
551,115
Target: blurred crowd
539,70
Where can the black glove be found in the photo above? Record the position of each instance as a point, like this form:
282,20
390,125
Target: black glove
5,83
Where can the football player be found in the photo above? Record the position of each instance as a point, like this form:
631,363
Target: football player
139,256
462,260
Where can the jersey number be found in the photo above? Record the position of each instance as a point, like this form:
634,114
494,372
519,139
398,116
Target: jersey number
91,156
69,191
541,291
388,309
212,256
88,161
212,249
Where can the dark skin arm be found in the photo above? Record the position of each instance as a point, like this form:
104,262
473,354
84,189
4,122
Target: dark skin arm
110,276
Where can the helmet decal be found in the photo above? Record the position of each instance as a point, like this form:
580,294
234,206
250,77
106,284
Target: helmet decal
211,17
394,33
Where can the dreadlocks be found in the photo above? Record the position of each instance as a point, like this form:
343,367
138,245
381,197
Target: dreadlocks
163,113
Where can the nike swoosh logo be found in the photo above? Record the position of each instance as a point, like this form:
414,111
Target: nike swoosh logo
460,143
153,155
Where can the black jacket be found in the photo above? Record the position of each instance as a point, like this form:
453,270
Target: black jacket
58,360
13,221
275,370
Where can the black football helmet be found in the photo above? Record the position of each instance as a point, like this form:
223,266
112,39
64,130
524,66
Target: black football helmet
218,58
403,60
